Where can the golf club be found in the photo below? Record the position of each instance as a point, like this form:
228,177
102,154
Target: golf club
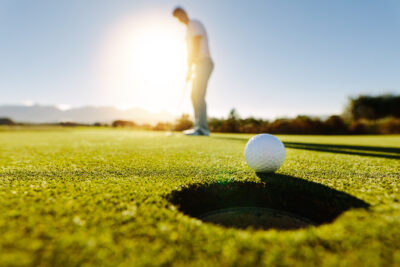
182,99
180,104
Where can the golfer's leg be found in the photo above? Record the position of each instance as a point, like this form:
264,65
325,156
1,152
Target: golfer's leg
200,82
199,105
194,97
203,123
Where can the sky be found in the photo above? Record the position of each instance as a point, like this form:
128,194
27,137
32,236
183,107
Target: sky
272,58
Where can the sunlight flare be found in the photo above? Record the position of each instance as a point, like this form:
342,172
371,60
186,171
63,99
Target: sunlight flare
143,63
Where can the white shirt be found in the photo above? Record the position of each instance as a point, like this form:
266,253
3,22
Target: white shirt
195,28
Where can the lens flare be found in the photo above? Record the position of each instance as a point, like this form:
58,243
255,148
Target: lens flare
143,63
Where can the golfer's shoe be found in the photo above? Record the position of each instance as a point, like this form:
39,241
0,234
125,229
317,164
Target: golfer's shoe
196,132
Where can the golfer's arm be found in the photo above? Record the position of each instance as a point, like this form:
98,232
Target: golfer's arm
195,50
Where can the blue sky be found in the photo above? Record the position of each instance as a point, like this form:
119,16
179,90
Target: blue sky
272,58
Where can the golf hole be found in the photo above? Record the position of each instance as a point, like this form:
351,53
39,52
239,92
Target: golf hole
277,202
255,217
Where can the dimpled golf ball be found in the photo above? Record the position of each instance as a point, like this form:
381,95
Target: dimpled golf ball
264,153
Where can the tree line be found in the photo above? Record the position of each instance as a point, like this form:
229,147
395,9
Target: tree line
363,115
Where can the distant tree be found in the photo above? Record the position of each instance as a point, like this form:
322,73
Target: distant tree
123,123
252,125
70,124
183,123
374,107
6,121
215,124
231,125
306,125
336,125
280,126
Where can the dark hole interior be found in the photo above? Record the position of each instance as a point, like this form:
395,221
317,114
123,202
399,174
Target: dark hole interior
277,201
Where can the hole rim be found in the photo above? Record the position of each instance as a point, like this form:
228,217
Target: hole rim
286,194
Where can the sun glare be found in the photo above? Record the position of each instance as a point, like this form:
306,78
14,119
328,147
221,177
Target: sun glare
143,64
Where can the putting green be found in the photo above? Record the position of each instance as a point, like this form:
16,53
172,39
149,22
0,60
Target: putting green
88,196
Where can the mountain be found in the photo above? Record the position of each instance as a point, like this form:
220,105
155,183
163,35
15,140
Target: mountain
89,114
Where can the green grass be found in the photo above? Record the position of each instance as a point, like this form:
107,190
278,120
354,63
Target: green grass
101,197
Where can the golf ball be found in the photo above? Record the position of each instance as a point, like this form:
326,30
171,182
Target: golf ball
264,153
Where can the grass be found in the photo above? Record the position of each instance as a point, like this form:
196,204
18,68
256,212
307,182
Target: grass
105,197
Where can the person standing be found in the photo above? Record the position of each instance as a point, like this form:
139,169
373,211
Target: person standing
200,67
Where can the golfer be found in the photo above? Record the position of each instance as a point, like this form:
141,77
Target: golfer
200,67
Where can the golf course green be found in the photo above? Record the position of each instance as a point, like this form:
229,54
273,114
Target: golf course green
118,197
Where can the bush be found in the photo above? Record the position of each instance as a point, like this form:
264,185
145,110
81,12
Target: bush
335,125
183,123
6,121
162,126
70,124
358,127
389,126
215,124
123,123
252,125
99,124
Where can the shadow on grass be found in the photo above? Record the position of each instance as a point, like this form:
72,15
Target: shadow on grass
287,196
369,151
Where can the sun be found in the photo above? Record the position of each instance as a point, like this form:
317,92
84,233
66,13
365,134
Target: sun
143,64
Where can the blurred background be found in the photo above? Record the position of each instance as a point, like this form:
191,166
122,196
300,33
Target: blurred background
280,66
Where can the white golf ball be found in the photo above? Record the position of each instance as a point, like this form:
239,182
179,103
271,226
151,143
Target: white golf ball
264,153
